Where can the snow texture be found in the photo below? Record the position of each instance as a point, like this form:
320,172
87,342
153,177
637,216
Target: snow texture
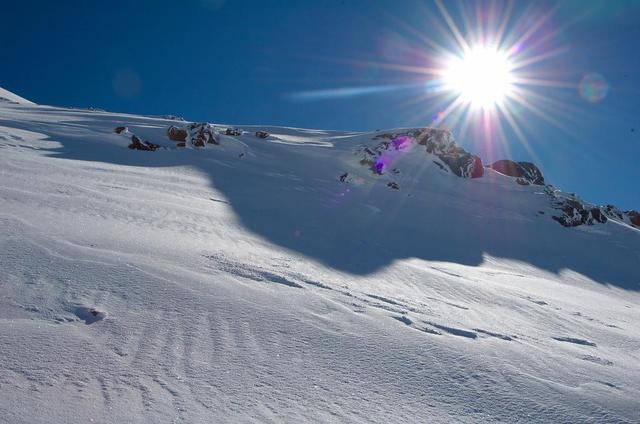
249,282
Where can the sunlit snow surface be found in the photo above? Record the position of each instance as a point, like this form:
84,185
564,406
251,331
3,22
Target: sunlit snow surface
245,283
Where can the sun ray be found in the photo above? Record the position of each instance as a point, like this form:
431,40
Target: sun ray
517,130
452,26
518,64
421,37
500,31
479,75
522,100
532,30
502,139
523,80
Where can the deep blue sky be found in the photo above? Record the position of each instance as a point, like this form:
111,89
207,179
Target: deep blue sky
242,62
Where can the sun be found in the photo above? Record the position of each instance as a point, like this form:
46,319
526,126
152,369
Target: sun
482,77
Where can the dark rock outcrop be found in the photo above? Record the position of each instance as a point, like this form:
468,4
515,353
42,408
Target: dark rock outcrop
202,134
612,212
394,185
120,130
233,132
634,217
138,144
172,117
262,134
437,142
442,144
570,210
575,213
630,217
526,170
464,164
177,134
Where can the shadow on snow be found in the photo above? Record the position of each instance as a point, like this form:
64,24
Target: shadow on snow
344,227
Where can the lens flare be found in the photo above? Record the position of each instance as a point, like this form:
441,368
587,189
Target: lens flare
484,70
593,88
482,76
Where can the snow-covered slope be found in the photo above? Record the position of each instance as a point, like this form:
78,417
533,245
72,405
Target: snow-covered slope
8,96
295,278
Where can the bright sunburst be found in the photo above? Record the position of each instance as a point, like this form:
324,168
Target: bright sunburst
481,77
483,72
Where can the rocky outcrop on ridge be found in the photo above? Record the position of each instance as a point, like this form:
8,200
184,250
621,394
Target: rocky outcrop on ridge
382,156
440,143
630,217
197,134
526,171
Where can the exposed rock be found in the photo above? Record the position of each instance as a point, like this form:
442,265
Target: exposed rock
575,213
343,177
137,144
177,134
262,134
234,132
437,142
634,217
464,164
120,130
598,215
570,211
384,136
613,212
526,170
630,217
202,134
173,117
442,144
393,185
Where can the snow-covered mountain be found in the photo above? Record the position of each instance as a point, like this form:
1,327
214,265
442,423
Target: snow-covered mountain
158,270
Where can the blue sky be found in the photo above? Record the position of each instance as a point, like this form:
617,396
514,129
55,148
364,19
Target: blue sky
339,65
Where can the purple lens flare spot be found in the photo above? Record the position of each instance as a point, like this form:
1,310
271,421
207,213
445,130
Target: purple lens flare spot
402,142
379,165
